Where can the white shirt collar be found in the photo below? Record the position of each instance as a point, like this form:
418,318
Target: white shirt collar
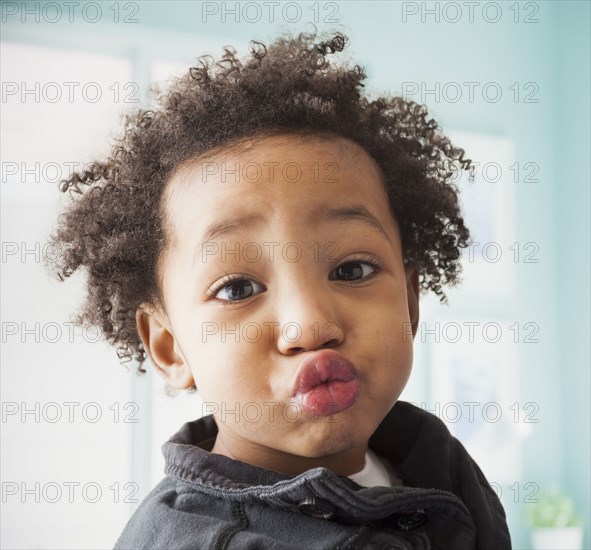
377,471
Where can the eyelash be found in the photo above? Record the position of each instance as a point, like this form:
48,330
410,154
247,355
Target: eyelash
224,282
376,265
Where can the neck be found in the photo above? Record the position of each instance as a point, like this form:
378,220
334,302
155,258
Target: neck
344,463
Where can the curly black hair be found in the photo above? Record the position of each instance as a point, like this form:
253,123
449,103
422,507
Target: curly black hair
116,229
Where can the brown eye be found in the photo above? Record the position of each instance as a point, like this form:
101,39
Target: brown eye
234,290
355,270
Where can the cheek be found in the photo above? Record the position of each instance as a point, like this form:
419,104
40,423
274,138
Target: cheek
384,324
224,369
393,343
396,358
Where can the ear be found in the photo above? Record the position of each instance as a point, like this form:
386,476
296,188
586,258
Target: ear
412,293
162,347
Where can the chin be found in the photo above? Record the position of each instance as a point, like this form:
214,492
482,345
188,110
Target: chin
331,441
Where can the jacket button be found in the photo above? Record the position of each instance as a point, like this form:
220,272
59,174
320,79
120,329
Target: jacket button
408,522
317,508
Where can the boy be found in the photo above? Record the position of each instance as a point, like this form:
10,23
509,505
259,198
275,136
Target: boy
262,237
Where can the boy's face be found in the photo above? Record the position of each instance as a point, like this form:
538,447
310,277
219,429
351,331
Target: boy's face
304,283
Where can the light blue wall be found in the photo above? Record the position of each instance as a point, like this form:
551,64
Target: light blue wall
571,189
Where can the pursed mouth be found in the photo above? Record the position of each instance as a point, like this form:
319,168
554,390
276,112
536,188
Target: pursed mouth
326,383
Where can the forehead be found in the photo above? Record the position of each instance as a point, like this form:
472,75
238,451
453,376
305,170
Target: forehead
282,176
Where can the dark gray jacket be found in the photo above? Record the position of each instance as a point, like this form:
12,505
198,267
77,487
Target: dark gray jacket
211,501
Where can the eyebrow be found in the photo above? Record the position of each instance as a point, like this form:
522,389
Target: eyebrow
319,215
355,212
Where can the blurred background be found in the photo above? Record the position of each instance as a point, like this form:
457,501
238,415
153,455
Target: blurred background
505,364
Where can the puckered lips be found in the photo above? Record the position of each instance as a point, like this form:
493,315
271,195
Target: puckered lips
326,383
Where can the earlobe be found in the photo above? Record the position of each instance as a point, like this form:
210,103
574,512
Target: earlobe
159,343
412,292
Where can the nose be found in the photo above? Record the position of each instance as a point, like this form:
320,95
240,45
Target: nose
308,321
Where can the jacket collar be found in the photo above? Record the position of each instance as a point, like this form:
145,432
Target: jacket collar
440,479
407,437
188,459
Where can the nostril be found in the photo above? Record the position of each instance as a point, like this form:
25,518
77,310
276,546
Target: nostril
330,343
